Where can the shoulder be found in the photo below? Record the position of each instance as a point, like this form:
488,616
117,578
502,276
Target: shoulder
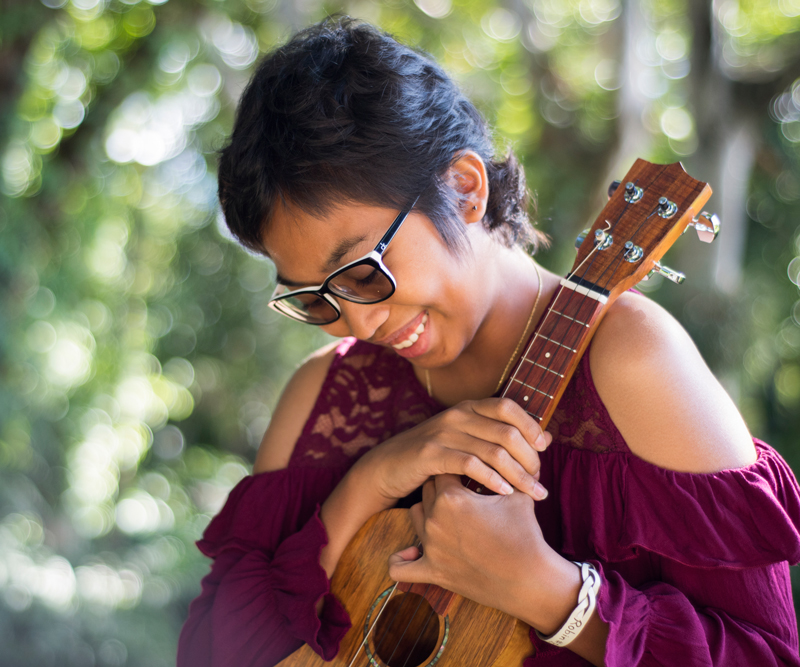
659,392
293,410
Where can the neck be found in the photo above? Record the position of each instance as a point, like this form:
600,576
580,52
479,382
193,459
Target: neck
477,370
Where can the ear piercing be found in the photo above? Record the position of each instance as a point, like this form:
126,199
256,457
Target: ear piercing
474,208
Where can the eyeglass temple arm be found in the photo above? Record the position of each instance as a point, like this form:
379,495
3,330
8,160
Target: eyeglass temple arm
398,221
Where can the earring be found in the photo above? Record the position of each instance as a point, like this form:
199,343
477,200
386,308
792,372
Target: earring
474,208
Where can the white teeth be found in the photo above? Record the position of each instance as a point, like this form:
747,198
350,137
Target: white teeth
414,337
403,345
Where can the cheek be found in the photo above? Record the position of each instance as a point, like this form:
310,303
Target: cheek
430,276
338,329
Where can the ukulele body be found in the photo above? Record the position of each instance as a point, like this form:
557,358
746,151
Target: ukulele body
468,635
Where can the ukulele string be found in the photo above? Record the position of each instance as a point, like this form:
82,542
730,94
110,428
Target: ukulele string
419,636
372,627
548,366
611,268
591,257
548,388
389,625
539,329
408,625
397,610
539,332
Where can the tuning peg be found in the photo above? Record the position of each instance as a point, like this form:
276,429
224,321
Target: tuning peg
581,238
670,274
613,188
707,226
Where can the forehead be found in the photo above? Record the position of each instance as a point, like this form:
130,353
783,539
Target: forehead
302,244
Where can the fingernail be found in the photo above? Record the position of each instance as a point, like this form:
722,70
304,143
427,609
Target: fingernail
506,489
539,491
540,444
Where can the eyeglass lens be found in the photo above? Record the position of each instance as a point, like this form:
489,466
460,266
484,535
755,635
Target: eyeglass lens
362,283
308,307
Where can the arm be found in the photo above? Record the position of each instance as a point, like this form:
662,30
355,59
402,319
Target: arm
659,392
258,602
653,382
738,617
267,591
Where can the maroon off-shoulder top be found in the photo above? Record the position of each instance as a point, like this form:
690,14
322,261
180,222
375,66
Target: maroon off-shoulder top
695,567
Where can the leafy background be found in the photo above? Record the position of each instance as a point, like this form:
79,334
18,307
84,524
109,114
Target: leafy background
138,360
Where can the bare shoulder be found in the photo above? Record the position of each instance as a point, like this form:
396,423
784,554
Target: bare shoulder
661,395
293,410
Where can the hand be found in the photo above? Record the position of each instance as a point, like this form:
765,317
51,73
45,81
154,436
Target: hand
489,549
493,441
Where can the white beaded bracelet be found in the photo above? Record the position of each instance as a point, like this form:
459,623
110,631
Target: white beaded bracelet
587,600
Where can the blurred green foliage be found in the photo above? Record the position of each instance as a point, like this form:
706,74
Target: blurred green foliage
138,359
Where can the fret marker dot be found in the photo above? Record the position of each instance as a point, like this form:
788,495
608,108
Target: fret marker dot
547,355
524,398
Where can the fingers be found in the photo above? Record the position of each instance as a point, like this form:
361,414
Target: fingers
508,412
408,566
487,463
510,442
493,441
461,462
407,555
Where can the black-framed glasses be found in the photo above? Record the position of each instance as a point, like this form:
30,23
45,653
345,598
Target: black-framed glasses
365,280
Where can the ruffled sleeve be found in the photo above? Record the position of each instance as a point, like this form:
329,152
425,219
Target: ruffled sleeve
695,567
258,603
658,624
747,517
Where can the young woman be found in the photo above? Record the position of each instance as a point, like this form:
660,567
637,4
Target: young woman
370,181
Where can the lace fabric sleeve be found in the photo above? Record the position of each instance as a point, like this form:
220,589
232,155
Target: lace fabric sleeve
369,395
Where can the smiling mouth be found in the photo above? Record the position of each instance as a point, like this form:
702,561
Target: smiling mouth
413,337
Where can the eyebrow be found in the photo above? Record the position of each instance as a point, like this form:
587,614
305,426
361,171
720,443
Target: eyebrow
342,248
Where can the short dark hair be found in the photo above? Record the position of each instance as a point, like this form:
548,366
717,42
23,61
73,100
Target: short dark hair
343,112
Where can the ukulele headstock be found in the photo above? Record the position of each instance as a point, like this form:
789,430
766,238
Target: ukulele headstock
644,216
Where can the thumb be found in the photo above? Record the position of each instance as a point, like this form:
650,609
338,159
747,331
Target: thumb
408,566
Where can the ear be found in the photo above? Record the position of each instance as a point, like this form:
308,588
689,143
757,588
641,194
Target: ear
467,175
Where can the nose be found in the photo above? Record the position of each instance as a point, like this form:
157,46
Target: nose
363,319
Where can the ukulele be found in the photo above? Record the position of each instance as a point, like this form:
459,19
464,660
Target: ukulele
421,625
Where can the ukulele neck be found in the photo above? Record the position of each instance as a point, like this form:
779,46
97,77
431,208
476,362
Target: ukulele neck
554,349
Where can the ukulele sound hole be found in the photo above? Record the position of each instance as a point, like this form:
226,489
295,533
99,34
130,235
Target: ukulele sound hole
407,632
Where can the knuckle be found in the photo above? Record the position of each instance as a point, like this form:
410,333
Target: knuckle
497,456
453,416
506,408
472,464
428,449
506,433
432,453
450,497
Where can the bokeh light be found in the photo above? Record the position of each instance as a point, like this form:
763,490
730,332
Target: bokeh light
140,361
